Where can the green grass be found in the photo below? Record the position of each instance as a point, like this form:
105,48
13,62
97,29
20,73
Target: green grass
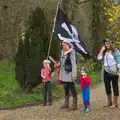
5,64
95,76
11,94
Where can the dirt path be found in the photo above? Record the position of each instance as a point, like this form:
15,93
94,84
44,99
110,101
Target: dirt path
54,113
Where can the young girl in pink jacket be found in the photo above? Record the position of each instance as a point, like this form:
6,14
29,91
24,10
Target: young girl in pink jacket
46,79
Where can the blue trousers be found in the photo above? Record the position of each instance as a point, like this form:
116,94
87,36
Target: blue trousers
86,96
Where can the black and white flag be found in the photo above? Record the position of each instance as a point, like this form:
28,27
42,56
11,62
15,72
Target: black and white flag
66,31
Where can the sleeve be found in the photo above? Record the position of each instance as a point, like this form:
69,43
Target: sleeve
78,81
43,73
100,57
88,80
73,62
117,58
58,63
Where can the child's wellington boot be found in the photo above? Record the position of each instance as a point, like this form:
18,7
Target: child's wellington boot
87,109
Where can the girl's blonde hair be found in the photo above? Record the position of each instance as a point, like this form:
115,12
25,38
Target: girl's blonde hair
46,61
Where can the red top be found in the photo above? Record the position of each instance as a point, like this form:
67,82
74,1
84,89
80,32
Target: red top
85,81
45,74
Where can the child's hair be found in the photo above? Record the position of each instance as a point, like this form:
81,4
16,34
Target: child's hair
47,61
83,69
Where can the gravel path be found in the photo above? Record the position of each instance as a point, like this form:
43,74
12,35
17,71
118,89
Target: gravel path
54,113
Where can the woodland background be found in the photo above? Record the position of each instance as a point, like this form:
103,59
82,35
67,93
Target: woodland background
25,29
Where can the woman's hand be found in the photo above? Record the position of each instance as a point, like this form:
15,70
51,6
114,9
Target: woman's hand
103,48
52,74
101,51
56,65
75,79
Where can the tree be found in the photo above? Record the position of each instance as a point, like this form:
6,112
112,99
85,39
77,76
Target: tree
32,51
113,20
20,64
95,24
11,16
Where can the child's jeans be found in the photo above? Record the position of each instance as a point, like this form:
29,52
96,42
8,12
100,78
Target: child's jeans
86,96
47,91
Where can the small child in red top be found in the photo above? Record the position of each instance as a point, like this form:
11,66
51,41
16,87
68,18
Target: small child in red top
47,87
85,81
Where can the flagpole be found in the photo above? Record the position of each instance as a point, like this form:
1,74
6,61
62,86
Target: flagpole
52,33
58,4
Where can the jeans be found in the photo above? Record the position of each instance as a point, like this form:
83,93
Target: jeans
47,91
108,78
70,86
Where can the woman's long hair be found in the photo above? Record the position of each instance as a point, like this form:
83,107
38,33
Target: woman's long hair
111,48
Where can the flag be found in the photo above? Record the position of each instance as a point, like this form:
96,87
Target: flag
66,31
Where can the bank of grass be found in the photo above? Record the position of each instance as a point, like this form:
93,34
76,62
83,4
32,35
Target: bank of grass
11,95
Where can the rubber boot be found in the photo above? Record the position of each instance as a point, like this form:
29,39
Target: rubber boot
109,97
84,108
50,103
44,103
74,105
115,103
87,108
66,104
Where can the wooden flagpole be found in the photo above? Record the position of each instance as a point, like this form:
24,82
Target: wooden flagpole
58,4
53,30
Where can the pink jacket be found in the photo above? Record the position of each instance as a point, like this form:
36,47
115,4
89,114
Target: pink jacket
45,74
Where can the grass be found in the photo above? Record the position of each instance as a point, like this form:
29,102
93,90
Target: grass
11,95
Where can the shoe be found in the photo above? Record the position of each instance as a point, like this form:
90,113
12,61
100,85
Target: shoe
50,103
44,104
109,101
115,105
108,105
66,104
74,105
87,109
84,108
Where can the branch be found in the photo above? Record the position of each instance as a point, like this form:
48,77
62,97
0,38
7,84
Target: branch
83,1
3,41
3,54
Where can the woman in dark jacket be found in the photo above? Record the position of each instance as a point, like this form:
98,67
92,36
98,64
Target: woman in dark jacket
68,73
